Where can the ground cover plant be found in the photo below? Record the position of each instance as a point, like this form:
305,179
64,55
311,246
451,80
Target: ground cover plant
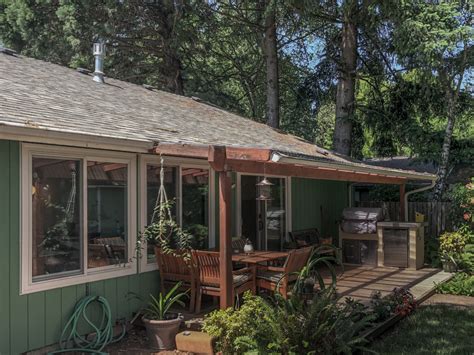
461,284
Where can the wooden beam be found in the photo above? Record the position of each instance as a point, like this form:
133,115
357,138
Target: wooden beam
252,160
254,154
181,150
282,169
225,239
204,151
402,202
217,157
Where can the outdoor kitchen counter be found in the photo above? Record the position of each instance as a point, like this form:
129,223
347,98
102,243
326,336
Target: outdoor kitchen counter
398,224
415,232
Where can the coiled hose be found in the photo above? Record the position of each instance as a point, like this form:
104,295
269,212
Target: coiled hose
104,333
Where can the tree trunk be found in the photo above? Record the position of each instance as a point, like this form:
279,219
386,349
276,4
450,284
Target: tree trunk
171,72
442,172
271,62
168,13
345,92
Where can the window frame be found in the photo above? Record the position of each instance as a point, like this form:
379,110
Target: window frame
179,163
288,202
85,274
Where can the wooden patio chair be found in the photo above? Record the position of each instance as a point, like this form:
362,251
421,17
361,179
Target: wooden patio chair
238,244
208,280
272,277
173,269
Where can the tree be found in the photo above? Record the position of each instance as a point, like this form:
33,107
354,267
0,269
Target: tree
270,51
437,39
345,95
146,39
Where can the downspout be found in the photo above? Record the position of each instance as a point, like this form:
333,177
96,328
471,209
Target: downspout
430,186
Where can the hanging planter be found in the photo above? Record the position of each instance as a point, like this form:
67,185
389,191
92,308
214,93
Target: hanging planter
163,231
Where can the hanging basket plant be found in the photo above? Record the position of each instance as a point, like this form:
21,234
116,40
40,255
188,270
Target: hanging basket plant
163,231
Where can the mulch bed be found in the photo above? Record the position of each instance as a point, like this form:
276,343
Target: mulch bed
454,300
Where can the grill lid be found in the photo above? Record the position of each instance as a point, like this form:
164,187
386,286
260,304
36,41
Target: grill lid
362,214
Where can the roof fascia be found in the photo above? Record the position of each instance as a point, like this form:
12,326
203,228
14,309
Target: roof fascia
53,137
357,169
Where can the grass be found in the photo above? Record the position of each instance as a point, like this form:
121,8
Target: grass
434,329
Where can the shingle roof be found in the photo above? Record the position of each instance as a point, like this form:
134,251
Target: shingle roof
47,96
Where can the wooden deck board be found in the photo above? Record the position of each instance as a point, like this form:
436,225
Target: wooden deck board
360,282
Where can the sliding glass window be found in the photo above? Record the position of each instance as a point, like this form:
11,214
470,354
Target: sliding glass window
56,217
107,213
77,219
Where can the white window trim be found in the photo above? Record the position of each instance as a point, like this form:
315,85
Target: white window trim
179,163
238,212
86,275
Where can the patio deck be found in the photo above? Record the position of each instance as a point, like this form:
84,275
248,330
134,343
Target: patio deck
359,282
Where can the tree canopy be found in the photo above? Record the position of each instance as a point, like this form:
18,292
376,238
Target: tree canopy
368,79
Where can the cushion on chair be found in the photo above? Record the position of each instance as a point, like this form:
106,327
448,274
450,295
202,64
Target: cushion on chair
272,276
240,279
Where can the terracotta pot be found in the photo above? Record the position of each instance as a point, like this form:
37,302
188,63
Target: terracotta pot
162,333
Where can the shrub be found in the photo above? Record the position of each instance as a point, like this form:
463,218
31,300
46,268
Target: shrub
250,327
320,326
451,245
461,284
462,196
466,259
399,301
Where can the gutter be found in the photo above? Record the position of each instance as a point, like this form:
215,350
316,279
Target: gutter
34,134
424,188
282,158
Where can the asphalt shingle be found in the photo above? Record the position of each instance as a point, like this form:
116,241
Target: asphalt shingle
47,96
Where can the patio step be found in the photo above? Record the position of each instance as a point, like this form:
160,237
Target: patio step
427,287
194,342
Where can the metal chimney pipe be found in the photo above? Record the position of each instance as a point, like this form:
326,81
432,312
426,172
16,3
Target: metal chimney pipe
99,54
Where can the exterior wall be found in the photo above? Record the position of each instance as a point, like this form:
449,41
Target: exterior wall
32,321
318,204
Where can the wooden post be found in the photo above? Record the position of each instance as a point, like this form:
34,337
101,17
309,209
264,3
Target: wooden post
402,203
225,239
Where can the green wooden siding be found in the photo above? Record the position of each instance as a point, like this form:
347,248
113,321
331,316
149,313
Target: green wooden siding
318,204
32,321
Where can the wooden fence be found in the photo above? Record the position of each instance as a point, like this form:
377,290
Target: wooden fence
436,213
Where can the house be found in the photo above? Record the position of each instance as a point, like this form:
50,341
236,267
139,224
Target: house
78,170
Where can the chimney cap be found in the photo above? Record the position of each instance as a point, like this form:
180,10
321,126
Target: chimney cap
99,48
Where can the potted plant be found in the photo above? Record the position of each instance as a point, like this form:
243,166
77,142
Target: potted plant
451,246
161,324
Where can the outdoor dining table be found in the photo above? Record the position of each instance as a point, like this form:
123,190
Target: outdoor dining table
257,257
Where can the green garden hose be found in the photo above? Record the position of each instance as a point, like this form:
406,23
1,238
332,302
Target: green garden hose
104,333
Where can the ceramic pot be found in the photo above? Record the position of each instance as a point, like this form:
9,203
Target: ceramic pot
248,247
162,333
